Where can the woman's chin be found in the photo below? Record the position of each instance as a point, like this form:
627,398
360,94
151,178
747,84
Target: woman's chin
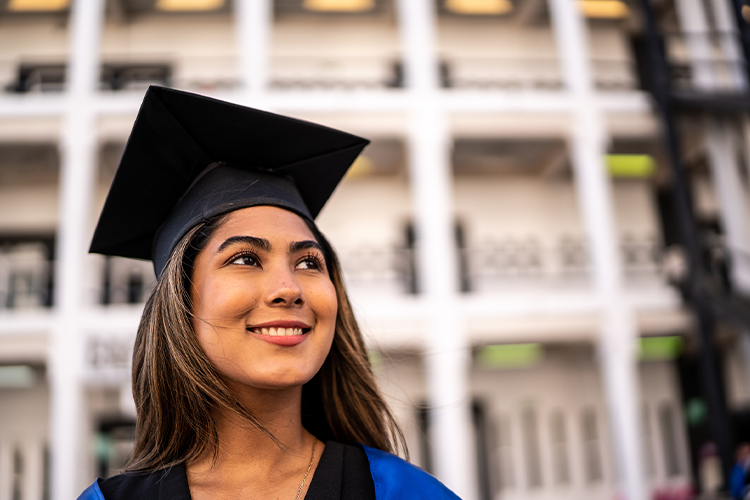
271,382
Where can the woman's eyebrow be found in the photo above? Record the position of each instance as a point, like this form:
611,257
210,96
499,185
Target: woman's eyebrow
304,245
261,243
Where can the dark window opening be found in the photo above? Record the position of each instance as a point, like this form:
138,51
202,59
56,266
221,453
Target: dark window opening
39,78
135,76
464,272
113,76
26,271
125,281
409,264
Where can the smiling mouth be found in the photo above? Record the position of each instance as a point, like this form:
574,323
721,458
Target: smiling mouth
279,332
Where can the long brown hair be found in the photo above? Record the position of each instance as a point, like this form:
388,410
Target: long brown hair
177,389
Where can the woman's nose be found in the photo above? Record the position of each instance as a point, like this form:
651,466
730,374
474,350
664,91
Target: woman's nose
283,289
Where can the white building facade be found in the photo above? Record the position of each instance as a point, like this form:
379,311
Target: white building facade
506,273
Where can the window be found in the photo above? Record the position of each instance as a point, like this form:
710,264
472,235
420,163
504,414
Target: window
25,272
530,431
38,78
668,431
17,474
648,443
560,448
126,281
114,76
134,76
592,454
505,472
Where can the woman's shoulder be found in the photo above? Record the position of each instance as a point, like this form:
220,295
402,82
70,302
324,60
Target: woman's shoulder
396,478
167,483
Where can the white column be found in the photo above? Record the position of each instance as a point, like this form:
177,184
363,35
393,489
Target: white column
446,345
618,332
78,154
721,143
253,24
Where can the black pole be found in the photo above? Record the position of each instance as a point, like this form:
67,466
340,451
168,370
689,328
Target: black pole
696,292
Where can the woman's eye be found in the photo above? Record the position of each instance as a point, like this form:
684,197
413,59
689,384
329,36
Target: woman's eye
309,263
245,260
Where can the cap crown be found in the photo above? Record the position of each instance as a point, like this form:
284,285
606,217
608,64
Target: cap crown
177,135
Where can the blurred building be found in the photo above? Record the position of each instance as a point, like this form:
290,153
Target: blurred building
505,238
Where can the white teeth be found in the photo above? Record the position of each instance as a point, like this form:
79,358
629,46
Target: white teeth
278,332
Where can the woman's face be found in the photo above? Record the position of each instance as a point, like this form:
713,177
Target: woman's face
264,307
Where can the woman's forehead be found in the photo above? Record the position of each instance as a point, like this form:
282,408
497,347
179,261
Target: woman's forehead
267,222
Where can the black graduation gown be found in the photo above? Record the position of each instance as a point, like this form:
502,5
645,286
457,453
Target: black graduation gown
342,473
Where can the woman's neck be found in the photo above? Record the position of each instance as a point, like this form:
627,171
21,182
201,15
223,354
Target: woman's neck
248,458
279,411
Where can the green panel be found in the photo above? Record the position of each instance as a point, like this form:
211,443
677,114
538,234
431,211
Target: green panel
630,166
660,348
508,356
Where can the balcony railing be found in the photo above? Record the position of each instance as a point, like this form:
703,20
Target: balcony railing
531,74
51,77
300,73
315,73
504,264
26,272
701,62
527,264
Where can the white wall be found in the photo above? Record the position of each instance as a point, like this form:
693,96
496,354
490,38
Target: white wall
367,212
28,208
494,207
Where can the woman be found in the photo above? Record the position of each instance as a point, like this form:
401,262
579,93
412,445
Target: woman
250,375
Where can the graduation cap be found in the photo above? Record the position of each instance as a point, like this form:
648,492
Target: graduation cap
190,157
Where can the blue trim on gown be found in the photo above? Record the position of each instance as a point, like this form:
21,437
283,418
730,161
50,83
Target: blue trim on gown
93,492
397,479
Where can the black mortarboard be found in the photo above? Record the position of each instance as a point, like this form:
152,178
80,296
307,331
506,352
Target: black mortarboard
190,157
